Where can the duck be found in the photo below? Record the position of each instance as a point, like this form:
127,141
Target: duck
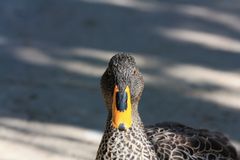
125,136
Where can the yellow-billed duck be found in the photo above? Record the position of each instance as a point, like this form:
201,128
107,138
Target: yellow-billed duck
125,136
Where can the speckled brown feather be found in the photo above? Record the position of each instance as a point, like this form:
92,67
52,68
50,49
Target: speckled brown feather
176,141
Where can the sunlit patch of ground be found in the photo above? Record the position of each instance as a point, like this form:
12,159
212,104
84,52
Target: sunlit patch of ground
23,140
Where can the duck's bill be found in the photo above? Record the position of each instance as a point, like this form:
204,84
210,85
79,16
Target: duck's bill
121,109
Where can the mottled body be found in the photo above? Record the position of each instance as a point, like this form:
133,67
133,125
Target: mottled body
122,145
174,141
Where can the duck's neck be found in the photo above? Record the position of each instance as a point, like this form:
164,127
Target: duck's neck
129,144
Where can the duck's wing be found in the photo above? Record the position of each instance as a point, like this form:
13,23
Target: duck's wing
175,141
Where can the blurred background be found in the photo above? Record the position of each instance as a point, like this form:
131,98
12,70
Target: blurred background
53,52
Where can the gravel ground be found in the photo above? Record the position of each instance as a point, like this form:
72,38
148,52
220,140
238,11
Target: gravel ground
54,52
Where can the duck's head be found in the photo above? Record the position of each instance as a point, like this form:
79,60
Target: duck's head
122,85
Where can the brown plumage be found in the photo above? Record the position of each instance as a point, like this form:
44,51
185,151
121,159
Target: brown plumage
162,141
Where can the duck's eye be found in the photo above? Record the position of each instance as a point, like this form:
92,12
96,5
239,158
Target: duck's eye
134,72
109,72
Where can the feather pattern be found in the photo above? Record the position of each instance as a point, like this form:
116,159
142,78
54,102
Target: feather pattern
177,141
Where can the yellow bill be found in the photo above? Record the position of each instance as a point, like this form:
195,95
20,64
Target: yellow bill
121,109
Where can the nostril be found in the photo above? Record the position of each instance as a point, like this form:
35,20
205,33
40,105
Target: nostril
121,127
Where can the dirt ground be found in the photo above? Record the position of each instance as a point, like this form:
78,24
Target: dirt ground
52,54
